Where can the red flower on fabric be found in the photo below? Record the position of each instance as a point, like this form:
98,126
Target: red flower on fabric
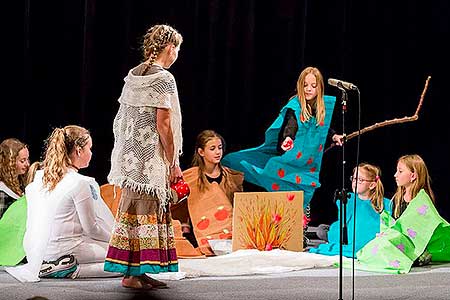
290,197
305,221
320,148
298,179
321,123
221,213
313,184
310,161
312,170
275,187
281,173
299,154
225,235
203,224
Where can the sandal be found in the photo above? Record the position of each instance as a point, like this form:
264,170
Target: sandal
153,282
136,282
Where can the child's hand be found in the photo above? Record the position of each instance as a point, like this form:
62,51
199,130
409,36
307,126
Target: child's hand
287,144
338,139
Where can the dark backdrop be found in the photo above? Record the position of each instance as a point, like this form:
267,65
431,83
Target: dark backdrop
238,65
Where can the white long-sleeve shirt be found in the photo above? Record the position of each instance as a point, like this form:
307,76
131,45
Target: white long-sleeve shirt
57,220
76,216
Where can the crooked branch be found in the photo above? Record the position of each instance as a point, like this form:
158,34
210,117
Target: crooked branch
390,122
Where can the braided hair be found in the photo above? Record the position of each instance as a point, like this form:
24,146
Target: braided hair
156,39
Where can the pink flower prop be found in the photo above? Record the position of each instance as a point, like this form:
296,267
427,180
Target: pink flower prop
374,250
422,210
401,247
394,263
411,233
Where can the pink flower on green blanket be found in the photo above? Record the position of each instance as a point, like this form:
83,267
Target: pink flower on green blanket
381,234
374,250
422,210
412,234
394,263
401,247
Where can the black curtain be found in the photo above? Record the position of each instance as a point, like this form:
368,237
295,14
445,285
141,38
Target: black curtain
238,66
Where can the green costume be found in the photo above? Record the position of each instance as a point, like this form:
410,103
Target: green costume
402,241
12,229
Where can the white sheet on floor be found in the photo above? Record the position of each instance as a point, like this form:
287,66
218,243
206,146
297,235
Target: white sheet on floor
247,262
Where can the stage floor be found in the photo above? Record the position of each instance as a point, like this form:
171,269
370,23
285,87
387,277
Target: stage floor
430,282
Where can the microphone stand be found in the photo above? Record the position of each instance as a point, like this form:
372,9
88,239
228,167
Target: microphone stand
342,195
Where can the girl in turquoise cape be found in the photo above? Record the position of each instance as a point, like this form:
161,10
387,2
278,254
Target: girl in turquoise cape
291,156
368,191
415,233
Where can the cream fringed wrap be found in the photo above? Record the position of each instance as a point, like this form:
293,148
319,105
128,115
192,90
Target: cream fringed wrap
138,161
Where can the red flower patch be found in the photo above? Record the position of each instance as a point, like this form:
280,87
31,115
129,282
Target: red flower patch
281,173
221,214
203,224
275,187
298,179
290,197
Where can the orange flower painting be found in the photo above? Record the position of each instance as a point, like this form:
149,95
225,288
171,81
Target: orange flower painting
268,220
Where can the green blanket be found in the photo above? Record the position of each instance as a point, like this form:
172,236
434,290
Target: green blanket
12,229
402,241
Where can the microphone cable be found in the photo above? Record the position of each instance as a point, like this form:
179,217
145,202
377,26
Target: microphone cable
355,194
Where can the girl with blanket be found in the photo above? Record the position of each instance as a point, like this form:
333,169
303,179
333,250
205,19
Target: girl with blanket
291,156
208,211
368,192
68,224
144,162
415,233
14,164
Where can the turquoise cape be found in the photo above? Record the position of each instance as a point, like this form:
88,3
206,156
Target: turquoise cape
296,169
400,242
367,226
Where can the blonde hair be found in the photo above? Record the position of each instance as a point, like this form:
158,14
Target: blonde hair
61,143
9,151
376,194
318,103
416,165
157,38
197,160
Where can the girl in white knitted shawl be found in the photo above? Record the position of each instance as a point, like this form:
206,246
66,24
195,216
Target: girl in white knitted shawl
144,162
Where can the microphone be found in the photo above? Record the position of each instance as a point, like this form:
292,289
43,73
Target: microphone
341,84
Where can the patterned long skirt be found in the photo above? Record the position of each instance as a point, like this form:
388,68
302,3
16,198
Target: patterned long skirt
141,240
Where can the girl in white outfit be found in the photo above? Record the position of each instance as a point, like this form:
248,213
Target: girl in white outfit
66,214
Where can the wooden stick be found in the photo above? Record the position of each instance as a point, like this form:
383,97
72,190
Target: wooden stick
389,122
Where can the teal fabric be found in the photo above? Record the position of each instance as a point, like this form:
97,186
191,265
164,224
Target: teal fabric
367,226
402,241
12,229
298,168
139,270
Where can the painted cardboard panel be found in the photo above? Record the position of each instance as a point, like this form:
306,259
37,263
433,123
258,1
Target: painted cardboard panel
268,220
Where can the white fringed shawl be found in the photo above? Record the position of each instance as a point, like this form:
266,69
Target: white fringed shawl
138,161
